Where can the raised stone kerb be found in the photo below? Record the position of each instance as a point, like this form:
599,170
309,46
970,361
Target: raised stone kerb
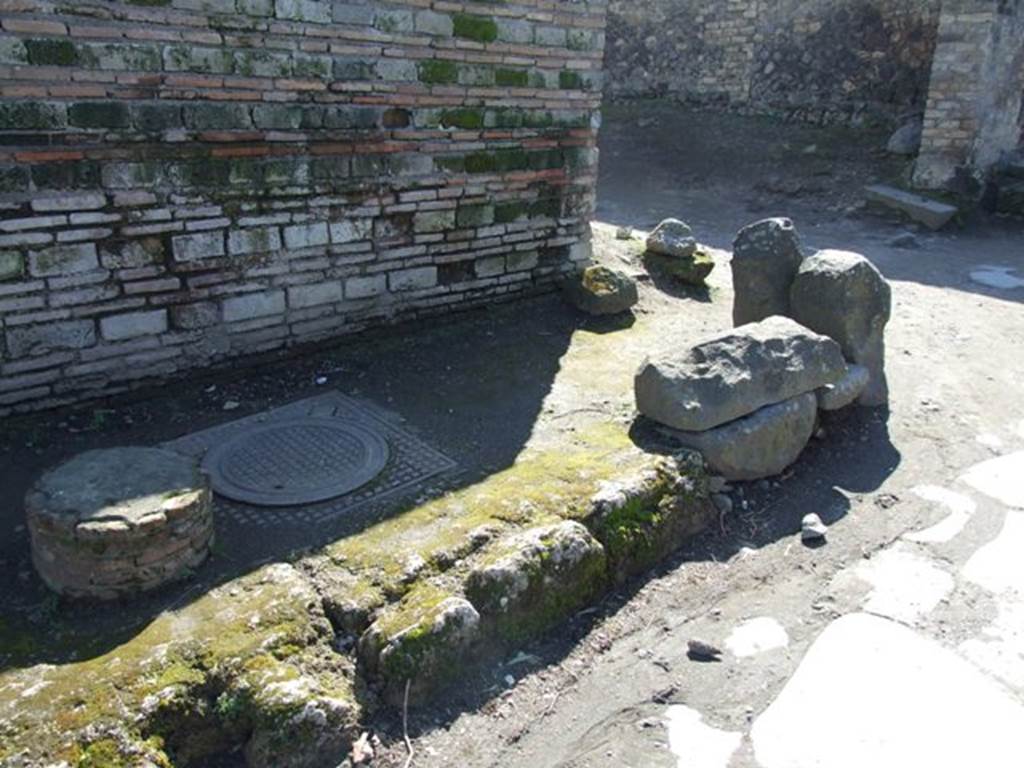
116,522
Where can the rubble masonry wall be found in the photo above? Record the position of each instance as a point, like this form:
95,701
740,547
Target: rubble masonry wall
819,61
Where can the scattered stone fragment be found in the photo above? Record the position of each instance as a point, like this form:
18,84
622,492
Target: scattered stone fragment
766,257
812,529
762,444
601,291
735,373
537,578
624,233
692,270
672,238
723,503
842,295
906,140
906,241
113,523
698,650
844,392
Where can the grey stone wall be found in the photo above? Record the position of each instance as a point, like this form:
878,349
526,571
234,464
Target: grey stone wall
820,61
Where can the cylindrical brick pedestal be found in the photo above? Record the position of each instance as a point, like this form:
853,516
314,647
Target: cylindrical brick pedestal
114,523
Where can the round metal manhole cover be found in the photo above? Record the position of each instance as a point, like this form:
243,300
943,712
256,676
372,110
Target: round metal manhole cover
299,461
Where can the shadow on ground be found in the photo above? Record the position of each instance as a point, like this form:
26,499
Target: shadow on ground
471,387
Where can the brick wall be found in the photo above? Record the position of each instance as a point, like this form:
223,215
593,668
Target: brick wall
819,61
975,103
187,181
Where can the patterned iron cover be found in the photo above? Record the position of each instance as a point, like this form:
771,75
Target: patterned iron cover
296,461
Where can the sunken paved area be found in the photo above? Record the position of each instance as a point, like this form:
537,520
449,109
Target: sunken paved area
517,384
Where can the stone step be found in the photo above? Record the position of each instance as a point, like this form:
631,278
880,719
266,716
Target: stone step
931,213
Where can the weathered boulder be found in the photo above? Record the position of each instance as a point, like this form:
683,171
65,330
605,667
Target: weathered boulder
536,578
842,295
601,291
906,140
735,373
672,238
844,392
424,639
766,257
760,445
693,269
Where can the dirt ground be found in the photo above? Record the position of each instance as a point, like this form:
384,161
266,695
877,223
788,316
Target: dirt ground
598,694
482,386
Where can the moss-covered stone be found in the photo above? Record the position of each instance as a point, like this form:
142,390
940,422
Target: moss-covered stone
528,582
12,265
643,518
570,81
692,270
99,114
481,29
422,640
31,115
465,117
438,72
261,643
51,52
511,78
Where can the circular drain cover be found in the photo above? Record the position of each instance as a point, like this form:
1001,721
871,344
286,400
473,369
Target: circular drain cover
299,461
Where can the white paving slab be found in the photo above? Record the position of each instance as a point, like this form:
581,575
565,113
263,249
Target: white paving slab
871,692
756,636
695,743
960,509
999,565
1000,648
1001,478
996,277
905,585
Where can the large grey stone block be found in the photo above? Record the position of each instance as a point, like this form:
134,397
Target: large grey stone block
760,445
733,374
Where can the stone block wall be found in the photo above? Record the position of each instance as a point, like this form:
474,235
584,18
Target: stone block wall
819,61
975,110
187,181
